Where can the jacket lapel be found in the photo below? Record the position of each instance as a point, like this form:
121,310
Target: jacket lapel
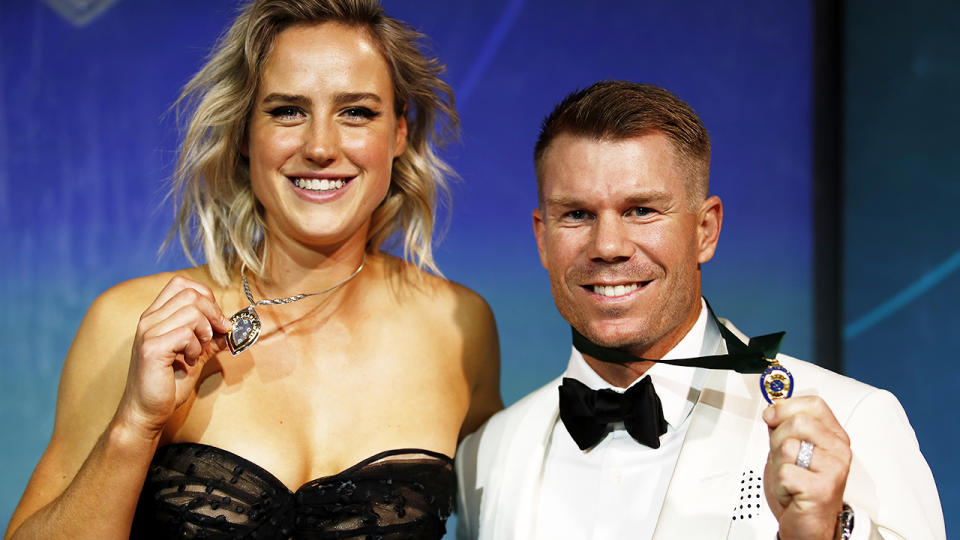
523,457
707,475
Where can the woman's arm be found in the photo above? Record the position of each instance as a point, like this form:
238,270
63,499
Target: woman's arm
87,483
481,361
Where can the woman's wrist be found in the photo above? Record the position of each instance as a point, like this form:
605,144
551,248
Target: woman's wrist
125,433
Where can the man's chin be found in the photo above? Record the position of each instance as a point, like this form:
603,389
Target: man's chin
613,334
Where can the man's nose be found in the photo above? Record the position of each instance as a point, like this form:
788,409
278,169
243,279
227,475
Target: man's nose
321,142
610,242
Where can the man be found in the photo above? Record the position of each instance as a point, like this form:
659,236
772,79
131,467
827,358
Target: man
624,223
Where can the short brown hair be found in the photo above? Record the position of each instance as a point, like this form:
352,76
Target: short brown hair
622,109
217,213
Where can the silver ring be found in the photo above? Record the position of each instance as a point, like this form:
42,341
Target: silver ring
805,454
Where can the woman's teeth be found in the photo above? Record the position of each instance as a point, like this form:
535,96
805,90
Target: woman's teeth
314,184
615,290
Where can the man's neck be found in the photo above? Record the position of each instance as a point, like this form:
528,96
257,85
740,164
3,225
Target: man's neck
622,375
619,375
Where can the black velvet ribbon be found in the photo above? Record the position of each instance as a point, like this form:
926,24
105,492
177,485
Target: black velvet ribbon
750,357
586,413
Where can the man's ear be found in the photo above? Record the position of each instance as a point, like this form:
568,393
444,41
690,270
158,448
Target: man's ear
709,221
540,232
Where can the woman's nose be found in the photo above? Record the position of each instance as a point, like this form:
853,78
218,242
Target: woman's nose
321,143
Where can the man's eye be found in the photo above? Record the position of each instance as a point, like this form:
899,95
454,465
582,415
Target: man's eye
285,112
577,215
640,211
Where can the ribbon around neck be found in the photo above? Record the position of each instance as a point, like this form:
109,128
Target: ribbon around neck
751,357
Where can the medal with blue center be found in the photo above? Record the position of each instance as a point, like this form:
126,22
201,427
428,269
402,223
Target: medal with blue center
776,382
245,324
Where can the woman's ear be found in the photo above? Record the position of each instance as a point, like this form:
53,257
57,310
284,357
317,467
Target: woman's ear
400,143
244,146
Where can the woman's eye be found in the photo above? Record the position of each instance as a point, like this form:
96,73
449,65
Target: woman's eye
360,113
285,112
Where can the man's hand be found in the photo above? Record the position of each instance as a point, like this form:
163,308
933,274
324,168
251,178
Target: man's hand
806,502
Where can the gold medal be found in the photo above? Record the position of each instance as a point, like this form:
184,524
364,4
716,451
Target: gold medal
776,382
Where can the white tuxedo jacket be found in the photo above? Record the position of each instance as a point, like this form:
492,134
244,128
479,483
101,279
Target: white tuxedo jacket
890,485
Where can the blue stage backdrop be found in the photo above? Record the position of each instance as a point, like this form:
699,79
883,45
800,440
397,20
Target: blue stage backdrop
87,146
902,184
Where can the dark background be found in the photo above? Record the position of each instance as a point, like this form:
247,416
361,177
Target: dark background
831,152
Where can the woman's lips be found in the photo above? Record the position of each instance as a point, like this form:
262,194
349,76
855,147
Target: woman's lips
320,184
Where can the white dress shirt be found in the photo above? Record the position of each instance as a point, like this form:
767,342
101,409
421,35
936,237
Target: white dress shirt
616,489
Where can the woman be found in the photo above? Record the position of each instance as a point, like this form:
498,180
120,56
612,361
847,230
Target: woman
337,415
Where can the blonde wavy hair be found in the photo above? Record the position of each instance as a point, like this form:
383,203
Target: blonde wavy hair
216,211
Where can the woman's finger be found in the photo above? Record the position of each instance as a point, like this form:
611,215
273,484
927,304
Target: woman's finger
174,286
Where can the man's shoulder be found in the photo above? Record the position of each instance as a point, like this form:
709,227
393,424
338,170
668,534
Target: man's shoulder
542,399
532,412
505,435
843,394
807,374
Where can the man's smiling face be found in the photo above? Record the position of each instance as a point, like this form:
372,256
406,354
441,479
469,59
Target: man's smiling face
622,240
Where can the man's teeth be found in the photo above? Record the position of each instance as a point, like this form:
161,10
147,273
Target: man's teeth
315,184
615,290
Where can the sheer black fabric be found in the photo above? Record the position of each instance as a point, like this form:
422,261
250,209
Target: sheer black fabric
199,491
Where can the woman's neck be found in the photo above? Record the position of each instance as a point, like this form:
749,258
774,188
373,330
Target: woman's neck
291,268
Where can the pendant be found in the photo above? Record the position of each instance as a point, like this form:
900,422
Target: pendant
776,382
245,331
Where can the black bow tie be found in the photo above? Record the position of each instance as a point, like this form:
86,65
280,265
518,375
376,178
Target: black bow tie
586,413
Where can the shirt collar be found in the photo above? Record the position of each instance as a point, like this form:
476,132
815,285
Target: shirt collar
678,387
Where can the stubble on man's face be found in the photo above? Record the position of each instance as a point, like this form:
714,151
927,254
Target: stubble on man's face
619,240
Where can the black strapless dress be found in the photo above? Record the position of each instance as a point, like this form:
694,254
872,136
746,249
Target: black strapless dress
201,491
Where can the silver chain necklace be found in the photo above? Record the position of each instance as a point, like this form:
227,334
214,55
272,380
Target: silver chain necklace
246,324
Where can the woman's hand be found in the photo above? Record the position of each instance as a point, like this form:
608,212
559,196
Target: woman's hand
176,335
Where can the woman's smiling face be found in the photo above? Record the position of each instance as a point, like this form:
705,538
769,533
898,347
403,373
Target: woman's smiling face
323,134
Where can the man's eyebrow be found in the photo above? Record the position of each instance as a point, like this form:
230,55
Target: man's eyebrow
648,197
640,198
566,202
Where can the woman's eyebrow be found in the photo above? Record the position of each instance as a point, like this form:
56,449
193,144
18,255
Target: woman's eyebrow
344,98
293,99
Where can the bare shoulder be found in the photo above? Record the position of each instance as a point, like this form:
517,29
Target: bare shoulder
437,303
430,295
95,369
137,294
92,382
111,320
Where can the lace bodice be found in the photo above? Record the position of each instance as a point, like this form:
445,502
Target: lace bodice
200,491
